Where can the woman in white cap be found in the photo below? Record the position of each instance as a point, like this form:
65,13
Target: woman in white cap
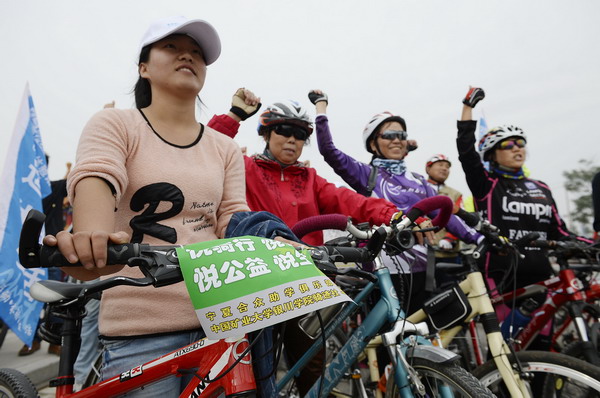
136,179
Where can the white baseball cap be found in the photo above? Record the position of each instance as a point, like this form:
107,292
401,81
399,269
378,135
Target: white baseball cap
201,31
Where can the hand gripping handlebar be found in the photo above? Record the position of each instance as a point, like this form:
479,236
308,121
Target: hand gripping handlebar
342,223
34,255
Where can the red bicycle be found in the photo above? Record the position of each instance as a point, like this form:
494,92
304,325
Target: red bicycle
573,291
215,367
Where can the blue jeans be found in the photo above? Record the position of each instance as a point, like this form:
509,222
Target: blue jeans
124,354
90,346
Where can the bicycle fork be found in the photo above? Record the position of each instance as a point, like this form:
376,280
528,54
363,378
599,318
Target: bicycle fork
590,351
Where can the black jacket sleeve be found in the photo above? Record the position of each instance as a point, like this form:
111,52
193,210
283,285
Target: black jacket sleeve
596,201
475,173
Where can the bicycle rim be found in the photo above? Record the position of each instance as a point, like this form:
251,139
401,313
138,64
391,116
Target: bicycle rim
442,380
546,374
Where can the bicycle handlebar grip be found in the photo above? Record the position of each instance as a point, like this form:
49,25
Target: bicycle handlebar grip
471,219
344,254
319,223
527,240
117,254
427,205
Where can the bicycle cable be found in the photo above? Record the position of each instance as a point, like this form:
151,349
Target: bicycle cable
324,352
207,380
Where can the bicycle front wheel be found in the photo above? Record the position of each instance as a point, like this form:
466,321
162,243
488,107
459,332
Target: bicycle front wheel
442,378
14,384
547,374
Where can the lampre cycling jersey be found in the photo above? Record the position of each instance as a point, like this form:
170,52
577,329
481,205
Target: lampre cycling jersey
515,206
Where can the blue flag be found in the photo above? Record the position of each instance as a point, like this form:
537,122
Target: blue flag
24,183
483,128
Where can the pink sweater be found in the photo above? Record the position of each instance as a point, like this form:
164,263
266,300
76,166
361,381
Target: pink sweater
164,194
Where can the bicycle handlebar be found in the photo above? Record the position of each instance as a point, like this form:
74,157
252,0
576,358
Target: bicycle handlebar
471,219
319,223
34,255
427,205
154,260
567,247
342,223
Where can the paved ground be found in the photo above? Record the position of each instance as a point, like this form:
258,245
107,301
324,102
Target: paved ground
40,366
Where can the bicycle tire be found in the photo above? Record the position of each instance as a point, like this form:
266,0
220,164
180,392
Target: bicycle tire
583,351
14,384
573,377
431,373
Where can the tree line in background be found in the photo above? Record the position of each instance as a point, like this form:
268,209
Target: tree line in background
579,187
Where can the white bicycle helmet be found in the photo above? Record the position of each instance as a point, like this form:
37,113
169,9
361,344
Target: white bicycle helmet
377,121
288,112
438,158
497,134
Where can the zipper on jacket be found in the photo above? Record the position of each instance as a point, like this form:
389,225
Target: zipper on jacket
282,179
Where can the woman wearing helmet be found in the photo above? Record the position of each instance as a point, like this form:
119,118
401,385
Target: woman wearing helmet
505,196
386,177
276,181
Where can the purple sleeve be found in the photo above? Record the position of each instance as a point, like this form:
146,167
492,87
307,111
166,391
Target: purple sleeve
455,225
458,228
353,172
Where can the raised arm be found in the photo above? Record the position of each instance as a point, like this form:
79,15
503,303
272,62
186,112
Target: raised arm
244,104
353,172
475,173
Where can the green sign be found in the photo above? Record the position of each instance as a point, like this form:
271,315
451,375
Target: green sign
243,284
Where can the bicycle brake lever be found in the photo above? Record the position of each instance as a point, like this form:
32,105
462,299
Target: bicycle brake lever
159,263
323,262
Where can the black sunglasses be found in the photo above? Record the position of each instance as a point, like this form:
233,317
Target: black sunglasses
391,135
287,130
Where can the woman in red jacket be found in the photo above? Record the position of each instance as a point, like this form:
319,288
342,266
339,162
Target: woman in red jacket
277,182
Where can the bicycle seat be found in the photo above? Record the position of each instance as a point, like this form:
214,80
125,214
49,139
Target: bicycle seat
53,291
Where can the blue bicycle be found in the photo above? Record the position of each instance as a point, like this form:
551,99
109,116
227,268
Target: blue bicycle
419,368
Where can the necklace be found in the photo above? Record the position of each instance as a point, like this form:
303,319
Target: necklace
170,143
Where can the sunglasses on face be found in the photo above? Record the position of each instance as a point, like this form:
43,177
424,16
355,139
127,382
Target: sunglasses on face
288,130
391,135
510,144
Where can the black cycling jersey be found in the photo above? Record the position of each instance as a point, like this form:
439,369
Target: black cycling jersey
516,206
596,201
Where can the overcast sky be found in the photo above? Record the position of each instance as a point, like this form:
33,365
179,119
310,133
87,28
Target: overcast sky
538,61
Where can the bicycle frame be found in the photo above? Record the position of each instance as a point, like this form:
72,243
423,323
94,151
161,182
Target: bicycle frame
564,289
475,289
387,309
204,358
